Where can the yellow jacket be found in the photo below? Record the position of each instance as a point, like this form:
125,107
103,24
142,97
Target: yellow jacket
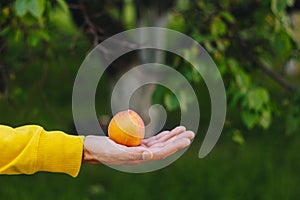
29,149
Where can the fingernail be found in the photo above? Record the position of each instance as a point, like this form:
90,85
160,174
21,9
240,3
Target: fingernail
147,155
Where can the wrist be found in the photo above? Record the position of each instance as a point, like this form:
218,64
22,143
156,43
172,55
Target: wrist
87,155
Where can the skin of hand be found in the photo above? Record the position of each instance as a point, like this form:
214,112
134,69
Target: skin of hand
101,149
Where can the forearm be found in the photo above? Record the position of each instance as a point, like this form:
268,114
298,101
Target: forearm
29,149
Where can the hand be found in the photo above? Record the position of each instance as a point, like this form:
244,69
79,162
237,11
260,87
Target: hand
101,149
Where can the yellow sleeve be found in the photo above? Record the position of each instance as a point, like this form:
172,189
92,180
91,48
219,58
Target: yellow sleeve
29,149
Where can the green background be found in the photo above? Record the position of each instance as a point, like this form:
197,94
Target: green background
257,154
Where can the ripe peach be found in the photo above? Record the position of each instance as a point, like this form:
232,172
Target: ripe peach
126,128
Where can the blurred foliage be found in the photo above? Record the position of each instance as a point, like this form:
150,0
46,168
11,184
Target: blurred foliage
253,42
36,75
250,41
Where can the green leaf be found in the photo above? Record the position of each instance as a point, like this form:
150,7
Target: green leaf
129,14
249,118
265,119
63,5
209,47
218,27
36,7
228,16
36,36
290,2
242,79
18,34
238,137
282,45
33,40
21,7
43,35
257,98
233,65
235,96
220,45
278,6
243,82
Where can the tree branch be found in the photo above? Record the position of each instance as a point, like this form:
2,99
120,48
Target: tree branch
278,78
92,28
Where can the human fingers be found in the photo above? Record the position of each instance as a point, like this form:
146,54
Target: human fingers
186,134
158,151
164,149
171,148
155,137
165,136
176,131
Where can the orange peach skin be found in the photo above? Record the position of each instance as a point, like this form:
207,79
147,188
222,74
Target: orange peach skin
126,128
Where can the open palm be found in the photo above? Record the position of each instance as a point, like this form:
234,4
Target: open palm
101,149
